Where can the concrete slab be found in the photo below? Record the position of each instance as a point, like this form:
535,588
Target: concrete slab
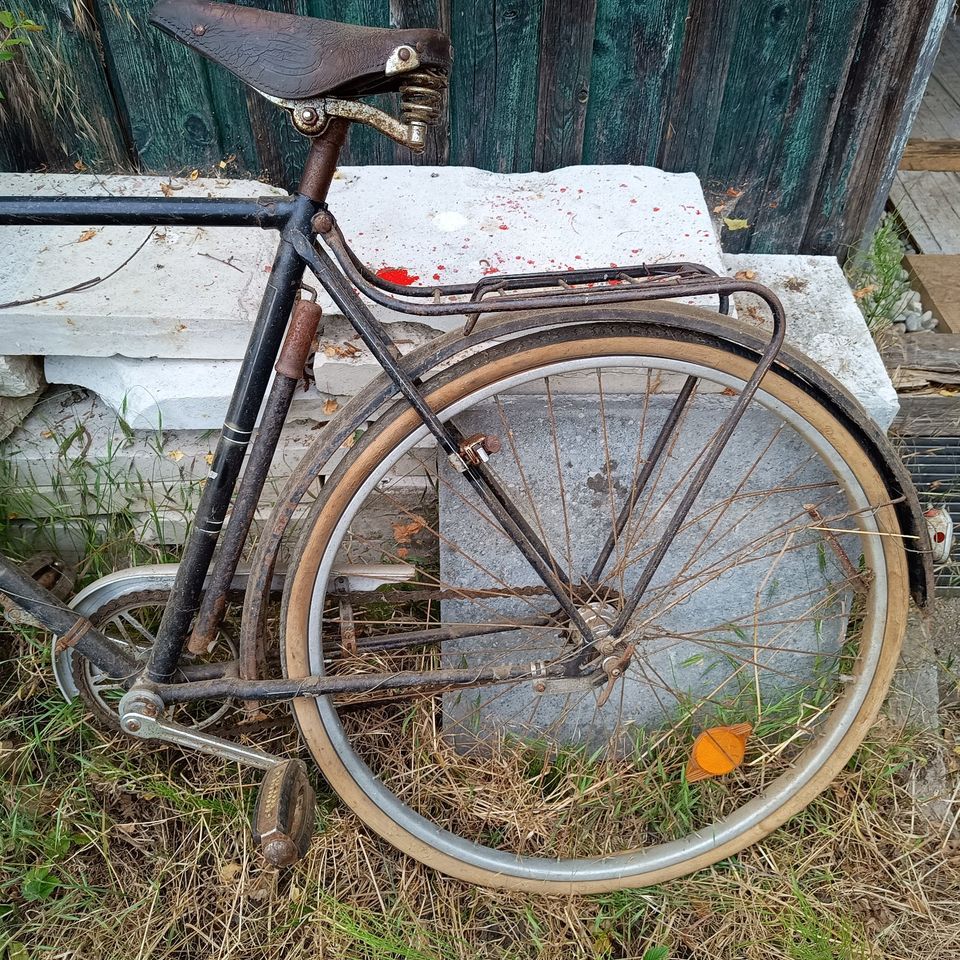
823,321
174,394
20,376
193,293
754,496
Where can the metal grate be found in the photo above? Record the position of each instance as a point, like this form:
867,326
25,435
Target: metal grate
934,464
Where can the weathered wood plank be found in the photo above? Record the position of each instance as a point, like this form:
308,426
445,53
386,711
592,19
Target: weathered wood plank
892,61
788,62
636,59
937,280
162,88
926,415
929,206
789,156
691,132
932,352
566,53
939,155
58,109
494,86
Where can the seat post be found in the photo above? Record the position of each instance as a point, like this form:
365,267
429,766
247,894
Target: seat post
322,160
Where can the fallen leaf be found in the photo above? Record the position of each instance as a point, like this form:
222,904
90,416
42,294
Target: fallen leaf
340,350
745,275
80,166
402,553
175,455
194,174
209,458
734,224
864,291
719,208
734,192
168,189
405,532
230,871
330,406
87,235
128,828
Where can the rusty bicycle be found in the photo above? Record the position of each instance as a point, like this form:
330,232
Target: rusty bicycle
589,594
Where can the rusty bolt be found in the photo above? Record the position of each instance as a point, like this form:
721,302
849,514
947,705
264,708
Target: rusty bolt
281,852
322,222
540,686
133,725
404,54
491,444
200,29
308,115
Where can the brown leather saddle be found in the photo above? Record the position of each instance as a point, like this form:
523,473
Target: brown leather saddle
295,58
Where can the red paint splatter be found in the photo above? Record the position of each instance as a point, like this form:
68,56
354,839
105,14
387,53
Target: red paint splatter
440,266
656,209
436,276
577,256
579,189
633,199
563,189
530,262
487,271
397,275
503,226
637,250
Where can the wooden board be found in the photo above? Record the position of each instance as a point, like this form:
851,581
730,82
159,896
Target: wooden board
928,203
939,155
937,279
802,106
58,110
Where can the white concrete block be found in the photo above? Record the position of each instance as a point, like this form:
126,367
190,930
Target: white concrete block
189,292
194,394
19,376
192,293
13,411
823,321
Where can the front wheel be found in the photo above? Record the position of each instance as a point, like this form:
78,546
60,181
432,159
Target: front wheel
758,655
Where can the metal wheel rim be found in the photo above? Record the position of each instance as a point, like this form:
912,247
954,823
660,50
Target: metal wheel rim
662,855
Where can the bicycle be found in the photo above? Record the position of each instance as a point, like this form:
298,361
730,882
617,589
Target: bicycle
586,657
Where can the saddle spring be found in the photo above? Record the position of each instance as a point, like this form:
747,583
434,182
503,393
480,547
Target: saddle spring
421,96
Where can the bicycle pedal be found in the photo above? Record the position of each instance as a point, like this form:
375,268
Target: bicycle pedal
284,815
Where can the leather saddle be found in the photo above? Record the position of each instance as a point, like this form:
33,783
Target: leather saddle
295,58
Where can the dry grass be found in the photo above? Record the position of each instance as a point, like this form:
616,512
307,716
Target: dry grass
110,853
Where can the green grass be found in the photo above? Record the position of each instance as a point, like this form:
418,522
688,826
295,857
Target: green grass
876,275
118,851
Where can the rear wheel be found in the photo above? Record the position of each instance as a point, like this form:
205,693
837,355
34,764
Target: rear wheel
758,656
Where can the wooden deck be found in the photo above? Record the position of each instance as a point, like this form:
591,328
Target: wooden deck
926,192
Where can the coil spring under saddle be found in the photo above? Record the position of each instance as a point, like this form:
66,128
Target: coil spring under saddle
421,96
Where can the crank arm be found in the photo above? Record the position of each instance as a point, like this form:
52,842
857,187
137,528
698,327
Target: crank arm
140,716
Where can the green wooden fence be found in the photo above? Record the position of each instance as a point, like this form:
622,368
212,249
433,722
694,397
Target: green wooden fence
800,104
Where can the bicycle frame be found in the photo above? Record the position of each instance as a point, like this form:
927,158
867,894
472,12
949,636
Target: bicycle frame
302,221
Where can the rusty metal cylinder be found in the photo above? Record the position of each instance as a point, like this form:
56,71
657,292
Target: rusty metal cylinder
305,321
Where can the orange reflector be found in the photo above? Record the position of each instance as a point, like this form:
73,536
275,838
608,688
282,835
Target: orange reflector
717,751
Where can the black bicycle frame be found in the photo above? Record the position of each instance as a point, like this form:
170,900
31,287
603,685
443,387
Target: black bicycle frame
300,221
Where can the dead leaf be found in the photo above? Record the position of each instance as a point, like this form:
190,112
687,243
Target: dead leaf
346,350
168,189
330,406
734,192
734,224
745,275
719,208
864,291
194,174
405,532
402,553
229,872
209,458
175,455
80,167
128,828
87,235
